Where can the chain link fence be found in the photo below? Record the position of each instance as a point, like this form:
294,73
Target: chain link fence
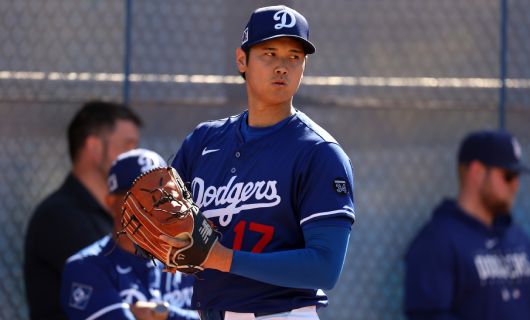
398,83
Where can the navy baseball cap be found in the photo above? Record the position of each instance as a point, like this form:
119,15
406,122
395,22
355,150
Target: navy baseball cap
493,148
273,22
130,165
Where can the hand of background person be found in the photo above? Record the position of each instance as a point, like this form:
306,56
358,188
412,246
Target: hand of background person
148,310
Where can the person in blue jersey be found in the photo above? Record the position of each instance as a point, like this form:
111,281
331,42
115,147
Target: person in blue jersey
278,187
470,261
106,280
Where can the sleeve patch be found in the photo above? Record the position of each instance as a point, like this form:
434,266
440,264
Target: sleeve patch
79,295
340,186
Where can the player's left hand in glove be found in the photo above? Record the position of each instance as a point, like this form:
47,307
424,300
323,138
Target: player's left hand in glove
158,204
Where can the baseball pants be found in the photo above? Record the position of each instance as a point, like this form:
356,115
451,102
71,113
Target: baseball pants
305,313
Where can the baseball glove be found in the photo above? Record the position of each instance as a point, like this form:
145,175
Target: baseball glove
159,203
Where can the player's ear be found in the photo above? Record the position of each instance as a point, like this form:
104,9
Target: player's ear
477,171
94,146
241,60
109,201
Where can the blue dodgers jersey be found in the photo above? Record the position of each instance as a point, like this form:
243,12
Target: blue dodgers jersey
100,281
459,268
259,194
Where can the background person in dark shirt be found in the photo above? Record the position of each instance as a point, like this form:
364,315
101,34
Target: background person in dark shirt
470,261
74,216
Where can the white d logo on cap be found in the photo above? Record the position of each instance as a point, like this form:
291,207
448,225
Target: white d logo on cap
286,18
148,161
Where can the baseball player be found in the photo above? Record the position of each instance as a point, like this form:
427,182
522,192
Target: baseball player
107,280
278,187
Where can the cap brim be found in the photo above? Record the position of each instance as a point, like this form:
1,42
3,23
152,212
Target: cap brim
309,48
519,168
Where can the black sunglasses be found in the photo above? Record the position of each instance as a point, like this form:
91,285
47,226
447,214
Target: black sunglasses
510,175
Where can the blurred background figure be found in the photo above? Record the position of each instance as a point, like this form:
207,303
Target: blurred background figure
75,215
107,279
470,261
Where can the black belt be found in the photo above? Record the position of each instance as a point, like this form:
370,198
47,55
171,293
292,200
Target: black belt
211,314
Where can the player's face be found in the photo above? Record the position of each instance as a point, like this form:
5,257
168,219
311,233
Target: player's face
124,137
499,189
274,70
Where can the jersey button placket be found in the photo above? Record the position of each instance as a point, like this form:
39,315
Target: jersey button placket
237,155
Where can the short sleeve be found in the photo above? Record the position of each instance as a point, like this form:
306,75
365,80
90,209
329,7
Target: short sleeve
326,185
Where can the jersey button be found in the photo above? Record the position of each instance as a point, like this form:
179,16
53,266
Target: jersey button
233,170
238,154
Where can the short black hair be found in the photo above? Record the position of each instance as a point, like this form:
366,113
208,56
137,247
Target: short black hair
96,117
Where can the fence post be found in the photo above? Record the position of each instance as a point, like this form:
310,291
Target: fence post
503,62
127,51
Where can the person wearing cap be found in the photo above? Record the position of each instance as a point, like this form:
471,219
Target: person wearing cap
277,186
470,261
106,280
